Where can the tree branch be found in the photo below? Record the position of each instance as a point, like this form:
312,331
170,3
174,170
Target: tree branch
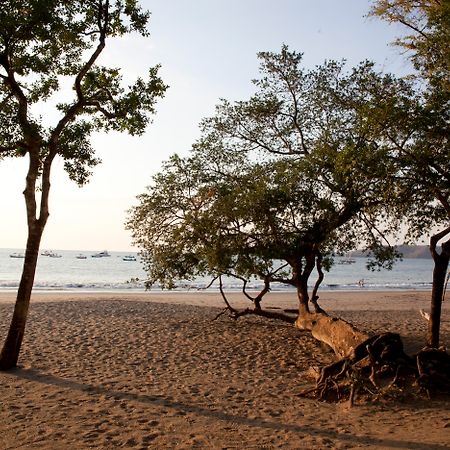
435,239
264,313
76,108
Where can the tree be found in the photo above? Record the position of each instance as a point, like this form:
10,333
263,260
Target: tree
274,187
44,44
290,175
420,144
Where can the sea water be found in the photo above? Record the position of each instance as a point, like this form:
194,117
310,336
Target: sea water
68,273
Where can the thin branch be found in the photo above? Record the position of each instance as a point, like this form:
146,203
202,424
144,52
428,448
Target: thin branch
314,296
76,108
413,27
209,285
235,314
224,297
264,313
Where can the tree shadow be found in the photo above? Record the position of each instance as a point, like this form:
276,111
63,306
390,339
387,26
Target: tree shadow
160,400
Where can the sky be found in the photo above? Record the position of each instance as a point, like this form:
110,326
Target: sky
207,51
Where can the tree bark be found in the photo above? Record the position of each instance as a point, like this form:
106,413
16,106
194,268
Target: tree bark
11,348
441,262
340,335
13,343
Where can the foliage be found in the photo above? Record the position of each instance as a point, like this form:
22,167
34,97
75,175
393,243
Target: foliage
46,43
294,174
428,40
420,144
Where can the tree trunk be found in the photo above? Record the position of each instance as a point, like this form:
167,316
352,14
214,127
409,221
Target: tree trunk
11,348
340,335
441,262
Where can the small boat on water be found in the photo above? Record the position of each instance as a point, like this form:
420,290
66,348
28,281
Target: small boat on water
347,261
17,255
129,258
50,254
102,254
81,256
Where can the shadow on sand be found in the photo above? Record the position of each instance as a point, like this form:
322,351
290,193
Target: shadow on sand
159,400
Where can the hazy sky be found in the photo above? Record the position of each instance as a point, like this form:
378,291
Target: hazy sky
207,49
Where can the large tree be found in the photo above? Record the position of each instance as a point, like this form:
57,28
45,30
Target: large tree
275,186
44,46
420,144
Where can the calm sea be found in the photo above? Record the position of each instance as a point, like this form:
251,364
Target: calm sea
113,273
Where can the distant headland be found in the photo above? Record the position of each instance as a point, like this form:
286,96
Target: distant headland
408,251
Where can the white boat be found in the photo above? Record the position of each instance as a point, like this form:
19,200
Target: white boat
17,255
102,254
50,254
81,256
129,258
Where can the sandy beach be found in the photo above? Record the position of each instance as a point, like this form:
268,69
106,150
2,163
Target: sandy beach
155,371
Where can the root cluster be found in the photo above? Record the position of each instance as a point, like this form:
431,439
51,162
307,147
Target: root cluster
379,367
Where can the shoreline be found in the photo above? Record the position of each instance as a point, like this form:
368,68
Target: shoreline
333,300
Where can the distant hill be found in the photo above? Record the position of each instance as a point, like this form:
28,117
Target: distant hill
408,251
415,251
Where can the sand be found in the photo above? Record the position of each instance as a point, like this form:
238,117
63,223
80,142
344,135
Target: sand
154,371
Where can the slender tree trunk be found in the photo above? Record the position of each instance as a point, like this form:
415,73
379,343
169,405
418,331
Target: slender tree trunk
441,262
11,348
303,299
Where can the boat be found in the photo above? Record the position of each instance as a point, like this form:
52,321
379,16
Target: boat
347,261
81,256
102,254
129,258
17,255
50,254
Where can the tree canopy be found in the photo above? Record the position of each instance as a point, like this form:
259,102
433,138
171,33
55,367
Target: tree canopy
427,41
44,46
315,162
420,145
278,183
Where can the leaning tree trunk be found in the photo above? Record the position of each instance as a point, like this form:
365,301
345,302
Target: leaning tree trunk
441,262
11,348
340,335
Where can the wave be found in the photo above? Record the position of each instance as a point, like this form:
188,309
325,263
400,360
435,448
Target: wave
190,286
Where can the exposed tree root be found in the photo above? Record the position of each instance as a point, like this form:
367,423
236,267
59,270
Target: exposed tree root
379,367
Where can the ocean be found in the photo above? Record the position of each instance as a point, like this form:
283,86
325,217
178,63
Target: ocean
114,274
